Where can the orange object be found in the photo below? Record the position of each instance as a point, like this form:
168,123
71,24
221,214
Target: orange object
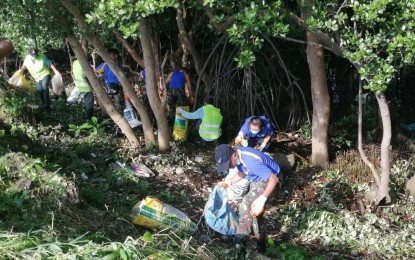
223,184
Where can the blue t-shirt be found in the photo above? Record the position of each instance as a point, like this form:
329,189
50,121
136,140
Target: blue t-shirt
256,165
266,130
109,75
177,79
141,76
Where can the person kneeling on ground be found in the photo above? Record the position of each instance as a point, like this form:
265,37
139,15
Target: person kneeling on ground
256,132
210,120
262,172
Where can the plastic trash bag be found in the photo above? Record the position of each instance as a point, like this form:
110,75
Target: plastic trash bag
219,215
19,81
57,85
130,115
154,214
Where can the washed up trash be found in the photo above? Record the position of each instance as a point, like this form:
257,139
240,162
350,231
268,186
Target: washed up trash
57,85
137,169
140,170
199,158
130,115
154,214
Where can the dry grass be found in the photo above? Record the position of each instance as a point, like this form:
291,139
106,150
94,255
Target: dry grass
350,162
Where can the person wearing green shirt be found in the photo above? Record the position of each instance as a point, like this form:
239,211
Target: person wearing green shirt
210,120
83,89
39,67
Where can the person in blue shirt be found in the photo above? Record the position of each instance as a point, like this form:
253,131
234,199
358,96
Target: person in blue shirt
112,84
209,120
179,88
256,132
262,173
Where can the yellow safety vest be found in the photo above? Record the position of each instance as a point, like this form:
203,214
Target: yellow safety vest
37,69
210,128
79,79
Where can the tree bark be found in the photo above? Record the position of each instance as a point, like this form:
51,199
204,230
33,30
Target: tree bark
151,87
190,45
128,88
100,93
320,96
383,191
129,49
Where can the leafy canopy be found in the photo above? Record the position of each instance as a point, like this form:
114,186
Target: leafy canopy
125,14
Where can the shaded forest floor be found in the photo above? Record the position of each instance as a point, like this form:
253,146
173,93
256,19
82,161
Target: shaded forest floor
62,199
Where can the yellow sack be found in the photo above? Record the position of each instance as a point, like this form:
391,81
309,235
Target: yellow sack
154,214
180,126
19,81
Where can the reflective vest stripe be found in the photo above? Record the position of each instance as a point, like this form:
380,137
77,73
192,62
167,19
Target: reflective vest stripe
210,128
79,79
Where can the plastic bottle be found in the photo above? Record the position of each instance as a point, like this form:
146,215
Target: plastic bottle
130,115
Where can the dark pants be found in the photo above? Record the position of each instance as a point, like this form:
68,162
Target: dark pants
115,90
254,141
43,90
175,97
88,104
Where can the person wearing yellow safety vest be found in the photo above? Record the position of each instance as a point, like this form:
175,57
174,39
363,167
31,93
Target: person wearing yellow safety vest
38,66
83,89
210,120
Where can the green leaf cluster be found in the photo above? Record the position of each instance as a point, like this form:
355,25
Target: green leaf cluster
377,36
125,15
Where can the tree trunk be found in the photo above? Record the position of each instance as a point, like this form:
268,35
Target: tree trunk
151,87
320,96
129,49
190,46
383,191
128,88
100,93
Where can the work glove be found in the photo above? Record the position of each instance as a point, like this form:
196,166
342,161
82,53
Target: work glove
257,207
223,184
179,110
262,146
244,143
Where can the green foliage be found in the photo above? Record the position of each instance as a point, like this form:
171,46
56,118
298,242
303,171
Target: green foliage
305,131
14,106
13,201
92,127
401,172
343,229
376,36
341,141
253,21
125,15
27,23
165,196
286,251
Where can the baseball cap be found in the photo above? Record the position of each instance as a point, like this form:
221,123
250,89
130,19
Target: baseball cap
33,52
223,155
